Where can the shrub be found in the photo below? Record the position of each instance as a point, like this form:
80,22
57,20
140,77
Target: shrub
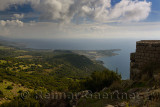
100,79
1,80
20,91
9,88
1,94
116,86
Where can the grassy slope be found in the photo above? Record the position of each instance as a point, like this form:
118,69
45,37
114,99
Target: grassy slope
39,69
9,94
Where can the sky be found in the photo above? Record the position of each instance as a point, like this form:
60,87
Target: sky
51,19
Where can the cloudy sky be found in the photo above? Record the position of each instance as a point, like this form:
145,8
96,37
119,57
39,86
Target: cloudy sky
79,18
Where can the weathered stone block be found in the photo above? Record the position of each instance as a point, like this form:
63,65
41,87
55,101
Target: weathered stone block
147,51
157,55
133,65
132,56
158,48
152,55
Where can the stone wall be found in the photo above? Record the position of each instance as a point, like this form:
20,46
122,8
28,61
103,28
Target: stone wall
147,51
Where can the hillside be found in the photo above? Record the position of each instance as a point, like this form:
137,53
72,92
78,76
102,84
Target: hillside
28,76
41,70
48,62
26,71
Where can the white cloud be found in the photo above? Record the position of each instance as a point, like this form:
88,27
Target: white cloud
64,11
2,23
4,4
96,10
9,23
49,30
128,10
18,16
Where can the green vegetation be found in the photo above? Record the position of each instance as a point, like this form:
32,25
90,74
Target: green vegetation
26,71
29,102
93,83
96,82
1,94
48,69
45,70
9,88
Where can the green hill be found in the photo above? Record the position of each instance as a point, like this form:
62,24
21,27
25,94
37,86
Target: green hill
44,68
47,71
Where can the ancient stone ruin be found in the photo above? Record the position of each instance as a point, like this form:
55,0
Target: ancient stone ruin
147,52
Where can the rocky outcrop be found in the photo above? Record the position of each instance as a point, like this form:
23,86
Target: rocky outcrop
147,52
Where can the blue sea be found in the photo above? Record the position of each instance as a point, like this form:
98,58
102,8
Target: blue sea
120,61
